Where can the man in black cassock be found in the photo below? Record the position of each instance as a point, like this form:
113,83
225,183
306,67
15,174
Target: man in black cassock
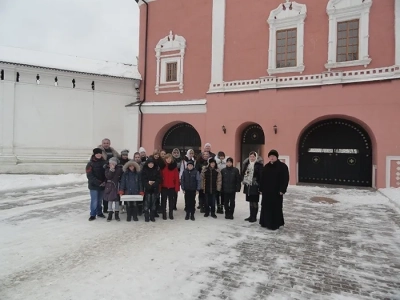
274,182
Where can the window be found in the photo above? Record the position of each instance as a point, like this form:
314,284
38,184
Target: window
286,38
348,33
172,72
347,41
286,41
170,54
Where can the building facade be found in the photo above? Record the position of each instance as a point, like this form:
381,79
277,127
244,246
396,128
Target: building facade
316,80
52,118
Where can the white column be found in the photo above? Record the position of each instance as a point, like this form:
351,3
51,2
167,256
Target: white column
397,31
131,128
218,41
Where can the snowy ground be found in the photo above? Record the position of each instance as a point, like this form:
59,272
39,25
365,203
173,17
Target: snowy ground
346,250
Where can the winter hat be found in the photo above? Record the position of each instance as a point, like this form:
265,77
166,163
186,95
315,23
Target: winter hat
150,160
125,152
274,153
113,160
141,149
97,151
210,160
190,162
229,159
220,153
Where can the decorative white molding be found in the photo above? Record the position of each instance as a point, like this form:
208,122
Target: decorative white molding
346,10
389,160
326,78
397,30
172,107
218,41
170,49
286,16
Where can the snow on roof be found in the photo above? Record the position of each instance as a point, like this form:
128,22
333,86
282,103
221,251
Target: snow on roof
67,63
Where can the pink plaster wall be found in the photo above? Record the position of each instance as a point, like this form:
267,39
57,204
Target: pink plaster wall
193,21
247,37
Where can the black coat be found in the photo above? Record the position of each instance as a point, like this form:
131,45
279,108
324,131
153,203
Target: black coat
151,174
274,180
190,180
231,180
95,173
258,166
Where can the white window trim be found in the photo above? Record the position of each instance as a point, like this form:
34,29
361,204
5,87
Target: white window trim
177,45
164,62
280,19
346,13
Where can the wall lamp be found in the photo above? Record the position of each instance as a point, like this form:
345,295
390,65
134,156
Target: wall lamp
224,129
275,129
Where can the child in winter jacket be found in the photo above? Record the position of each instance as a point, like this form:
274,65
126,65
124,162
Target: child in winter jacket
131,184
190,183
231,183
151,181
113,175
170,186
211,184
220,160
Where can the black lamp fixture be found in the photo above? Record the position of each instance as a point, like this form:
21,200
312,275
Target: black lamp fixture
224,129
275,129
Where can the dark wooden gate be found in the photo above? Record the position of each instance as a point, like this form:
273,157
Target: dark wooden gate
336,151
253,139
182,136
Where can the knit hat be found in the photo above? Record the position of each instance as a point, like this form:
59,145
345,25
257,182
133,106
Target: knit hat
113,160
150,160
141,149
229,159
97,151
125,152
210,160
274,153
190,162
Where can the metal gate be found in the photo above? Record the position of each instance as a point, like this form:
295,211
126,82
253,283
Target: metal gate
336,151
182,136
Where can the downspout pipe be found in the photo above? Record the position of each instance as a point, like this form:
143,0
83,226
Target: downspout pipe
145,73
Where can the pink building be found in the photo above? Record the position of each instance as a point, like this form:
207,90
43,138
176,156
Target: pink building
317,80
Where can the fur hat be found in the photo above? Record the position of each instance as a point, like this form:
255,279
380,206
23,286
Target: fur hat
125,152
113,160
274,153
97,151
229,159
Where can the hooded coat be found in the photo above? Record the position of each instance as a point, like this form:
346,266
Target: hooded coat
112,184
253,189
150,174
131,181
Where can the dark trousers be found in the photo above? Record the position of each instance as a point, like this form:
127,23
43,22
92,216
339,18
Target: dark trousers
202,199
209,203
190,202
131,209
105,206
150,202
229,202
170,194
220,199
176,199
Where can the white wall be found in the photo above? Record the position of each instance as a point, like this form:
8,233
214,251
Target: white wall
49,129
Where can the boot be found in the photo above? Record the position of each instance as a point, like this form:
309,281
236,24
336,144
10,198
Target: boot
128,213
254,211
213,215
187,216
156,214
227,215
117,216
109,216
146,216
152,215
134,213
249,218
164,215
140,209
192,217
171,215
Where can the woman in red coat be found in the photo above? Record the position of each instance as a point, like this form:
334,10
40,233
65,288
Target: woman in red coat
169,186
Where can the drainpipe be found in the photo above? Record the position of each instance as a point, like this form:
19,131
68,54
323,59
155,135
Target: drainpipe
145,72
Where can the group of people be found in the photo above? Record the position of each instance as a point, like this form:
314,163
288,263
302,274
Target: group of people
159,177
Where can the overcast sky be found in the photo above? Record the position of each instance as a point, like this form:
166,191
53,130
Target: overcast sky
97,29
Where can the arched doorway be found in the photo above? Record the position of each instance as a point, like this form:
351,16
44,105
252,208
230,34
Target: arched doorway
182,136
253,139
336,151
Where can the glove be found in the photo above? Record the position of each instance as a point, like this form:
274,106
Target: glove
121,193
141,194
